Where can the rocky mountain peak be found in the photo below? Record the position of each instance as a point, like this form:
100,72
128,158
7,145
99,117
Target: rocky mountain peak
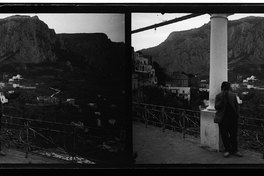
189,51
26,39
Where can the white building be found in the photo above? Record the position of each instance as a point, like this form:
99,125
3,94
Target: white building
3,98
17,77
2,84
142,64
250,87
184,92
252,78
234,86
144,73
16,86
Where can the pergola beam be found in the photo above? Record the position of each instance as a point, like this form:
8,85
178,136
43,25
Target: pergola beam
166,23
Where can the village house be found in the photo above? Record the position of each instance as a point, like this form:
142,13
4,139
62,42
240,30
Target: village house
235,86
3,98
143,73
178,80
204,85
179,85
135,83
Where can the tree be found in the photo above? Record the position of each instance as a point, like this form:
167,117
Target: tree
153,95
160,73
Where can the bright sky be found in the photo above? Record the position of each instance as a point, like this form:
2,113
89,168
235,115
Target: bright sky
113,25
152,37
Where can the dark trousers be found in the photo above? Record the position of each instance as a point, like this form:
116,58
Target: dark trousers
228,131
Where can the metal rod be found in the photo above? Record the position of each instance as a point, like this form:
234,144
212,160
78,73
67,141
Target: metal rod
56,123
74,145
27,139
166,23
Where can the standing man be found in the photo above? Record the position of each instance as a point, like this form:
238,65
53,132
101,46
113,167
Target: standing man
227,105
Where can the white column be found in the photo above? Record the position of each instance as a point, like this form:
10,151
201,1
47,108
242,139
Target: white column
218,56
209,131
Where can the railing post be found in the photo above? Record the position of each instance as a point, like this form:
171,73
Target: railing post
146,116
27,140
163,119
74,143
183,124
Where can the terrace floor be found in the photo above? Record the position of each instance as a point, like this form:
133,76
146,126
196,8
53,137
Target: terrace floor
156,147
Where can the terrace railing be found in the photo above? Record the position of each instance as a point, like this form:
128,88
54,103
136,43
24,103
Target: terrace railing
251,133
39,136
182,120
251,130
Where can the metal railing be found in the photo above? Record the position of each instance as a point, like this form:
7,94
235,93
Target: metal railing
251,130
33,135
251,133
182,120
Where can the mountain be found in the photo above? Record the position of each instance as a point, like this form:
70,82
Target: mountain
189,50
92,51
28,40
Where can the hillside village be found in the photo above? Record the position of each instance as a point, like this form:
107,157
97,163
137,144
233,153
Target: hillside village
15,85
191,90
32,99
184,58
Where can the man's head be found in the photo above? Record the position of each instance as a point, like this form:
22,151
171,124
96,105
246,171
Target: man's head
225,86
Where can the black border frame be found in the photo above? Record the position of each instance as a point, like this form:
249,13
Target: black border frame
127,9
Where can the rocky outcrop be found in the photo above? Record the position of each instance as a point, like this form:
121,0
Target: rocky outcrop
26,39
189,51
29,40
92,51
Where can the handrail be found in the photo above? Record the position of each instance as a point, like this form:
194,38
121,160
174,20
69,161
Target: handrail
26,126
184,119
57,123
188,110
251,118
167,107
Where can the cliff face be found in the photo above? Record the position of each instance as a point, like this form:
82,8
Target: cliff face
94,51
189,51
26,40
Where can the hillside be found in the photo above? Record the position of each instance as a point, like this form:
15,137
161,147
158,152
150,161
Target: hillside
27,40
94,52
189,50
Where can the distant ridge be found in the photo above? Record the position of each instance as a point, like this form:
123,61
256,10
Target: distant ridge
189,50
28,40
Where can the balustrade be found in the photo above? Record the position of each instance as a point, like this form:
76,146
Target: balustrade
251,130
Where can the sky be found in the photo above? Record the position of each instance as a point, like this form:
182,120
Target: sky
152,37
113,25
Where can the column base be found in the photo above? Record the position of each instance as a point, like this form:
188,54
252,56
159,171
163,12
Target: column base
209,131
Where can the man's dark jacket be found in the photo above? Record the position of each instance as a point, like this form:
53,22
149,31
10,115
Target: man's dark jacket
220,104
